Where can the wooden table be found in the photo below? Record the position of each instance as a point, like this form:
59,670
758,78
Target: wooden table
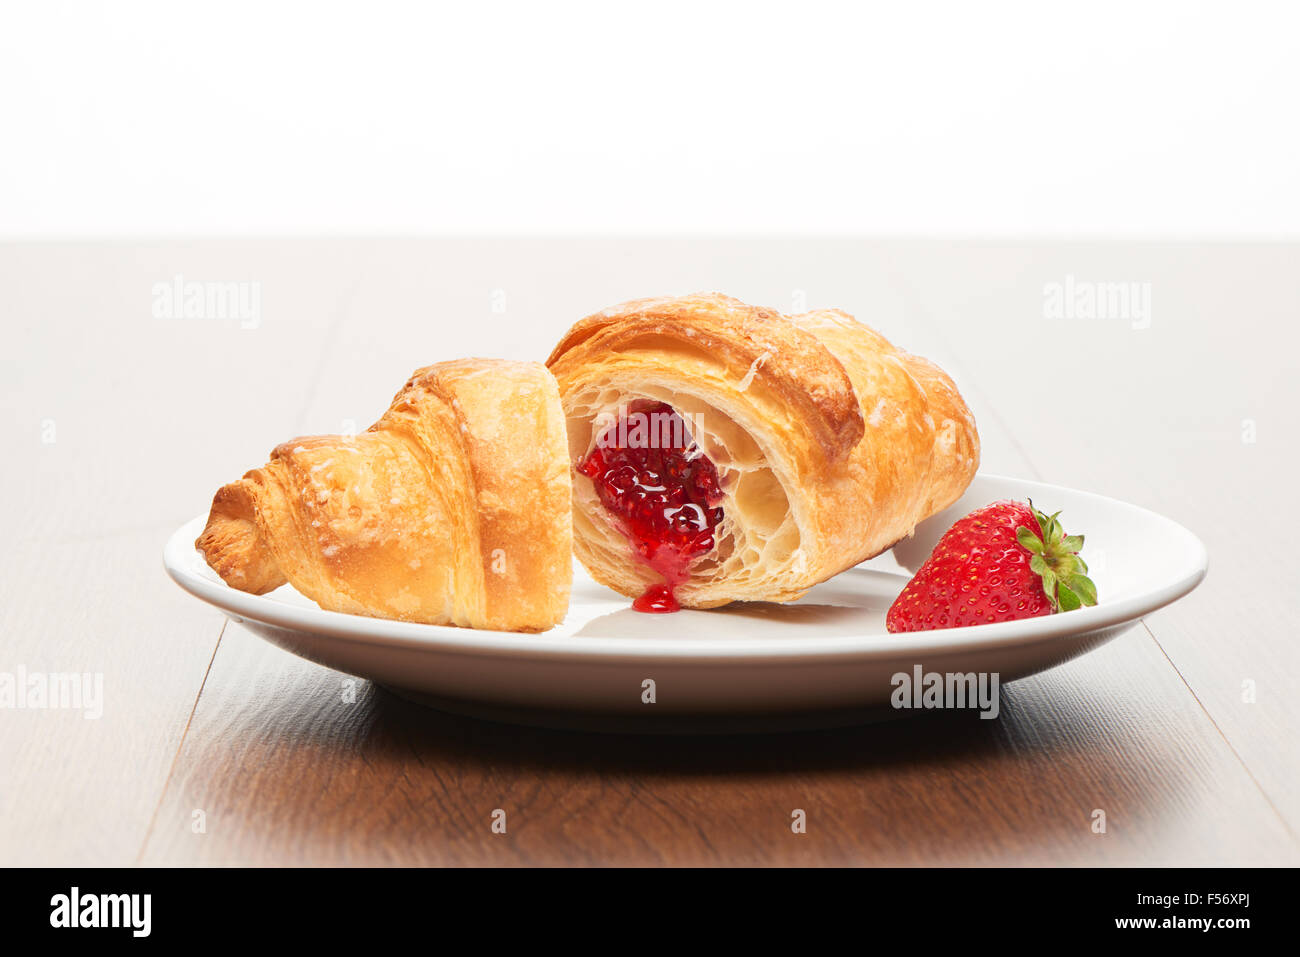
119,425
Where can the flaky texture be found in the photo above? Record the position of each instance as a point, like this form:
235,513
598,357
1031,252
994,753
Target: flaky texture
831,444
454,508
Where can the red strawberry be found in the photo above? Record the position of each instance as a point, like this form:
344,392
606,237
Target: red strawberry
1001,562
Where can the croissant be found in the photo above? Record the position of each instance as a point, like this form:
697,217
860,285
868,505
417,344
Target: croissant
724,452
453,508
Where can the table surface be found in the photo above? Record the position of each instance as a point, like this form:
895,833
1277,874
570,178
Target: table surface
215,747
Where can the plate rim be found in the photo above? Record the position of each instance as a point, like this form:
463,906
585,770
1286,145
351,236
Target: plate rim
492,644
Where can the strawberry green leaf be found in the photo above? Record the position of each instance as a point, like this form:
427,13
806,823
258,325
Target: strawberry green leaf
1039,517
1049,586
1055,560
1029,540
1084,588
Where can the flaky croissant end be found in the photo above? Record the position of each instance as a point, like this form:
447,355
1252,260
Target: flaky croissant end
232,544
452,509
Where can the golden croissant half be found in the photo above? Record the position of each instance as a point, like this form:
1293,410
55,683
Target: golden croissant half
454,508
726,452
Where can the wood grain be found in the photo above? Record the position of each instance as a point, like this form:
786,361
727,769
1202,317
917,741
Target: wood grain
153,414
117,424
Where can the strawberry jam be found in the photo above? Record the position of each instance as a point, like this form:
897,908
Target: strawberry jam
663,491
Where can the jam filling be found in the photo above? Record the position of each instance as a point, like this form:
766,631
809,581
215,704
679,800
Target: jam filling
663,491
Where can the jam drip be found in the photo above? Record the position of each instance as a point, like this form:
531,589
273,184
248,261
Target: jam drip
662,489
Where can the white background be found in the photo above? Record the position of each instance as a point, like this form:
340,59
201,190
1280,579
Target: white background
1092,119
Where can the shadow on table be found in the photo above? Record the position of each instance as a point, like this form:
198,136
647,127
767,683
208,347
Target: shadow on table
888,739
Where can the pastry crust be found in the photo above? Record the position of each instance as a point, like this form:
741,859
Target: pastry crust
453,508
831,444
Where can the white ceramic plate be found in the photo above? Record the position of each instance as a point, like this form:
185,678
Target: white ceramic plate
823,660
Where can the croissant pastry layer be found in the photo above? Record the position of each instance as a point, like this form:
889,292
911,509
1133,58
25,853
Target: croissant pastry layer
453,508
813,444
